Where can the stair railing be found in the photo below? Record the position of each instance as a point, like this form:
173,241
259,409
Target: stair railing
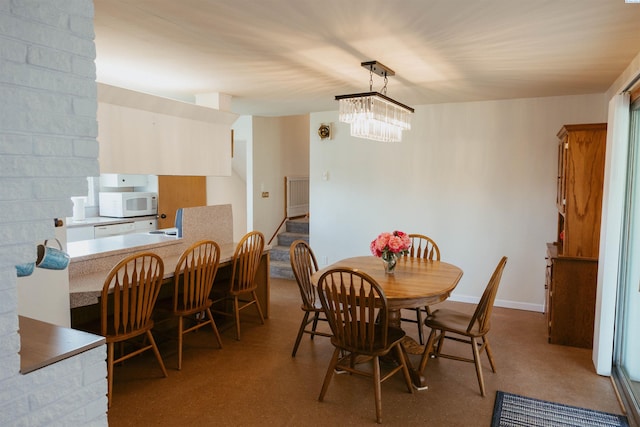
277,229
296,201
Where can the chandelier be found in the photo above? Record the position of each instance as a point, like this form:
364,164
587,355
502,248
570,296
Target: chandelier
373,115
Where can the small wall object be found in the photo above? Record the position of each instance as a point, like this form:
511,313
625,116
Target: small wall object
324,131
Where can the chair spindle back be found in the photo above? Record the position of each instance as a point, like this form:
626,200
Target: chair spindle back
194,275
304,264
356,308
482,315
423,247
246,261
129,293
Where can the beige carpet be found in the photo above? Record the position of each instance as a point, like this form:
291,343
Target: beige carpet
256,381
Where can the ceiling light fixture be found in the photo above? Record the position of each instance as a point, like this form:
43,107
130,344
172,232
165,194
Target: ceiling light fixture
373,115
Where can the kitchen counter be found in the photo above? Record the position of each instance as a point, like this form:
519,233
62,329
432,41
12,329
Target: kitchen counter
86,288
89,249
91,260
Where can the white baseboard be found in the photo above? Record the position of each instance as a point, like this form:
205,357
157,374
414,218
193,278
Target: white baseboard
500,303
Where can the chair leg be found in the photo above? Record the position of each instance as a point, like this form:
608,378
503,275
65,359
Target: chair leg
316,317
236,311
257,304
180,335
476,358
420,331
329,375
110,350
427,350
300,333
157,353
377,389
405,368
487,348
440,343
214,327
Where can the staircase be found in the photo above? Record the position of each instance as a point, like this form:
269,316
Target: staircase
280,264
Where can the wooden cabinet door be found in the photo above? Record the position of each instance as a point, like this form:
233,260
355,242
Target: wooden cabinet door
572,301
179,192
581,155
584,186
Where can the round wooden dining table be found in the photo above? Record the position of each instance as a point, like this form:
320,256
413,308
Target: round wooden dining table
415,283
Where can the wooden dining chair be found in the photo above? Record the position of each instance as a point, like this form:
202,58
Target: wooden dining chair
193,279
470,329
242,286
128,298
304,264
425,248
356,308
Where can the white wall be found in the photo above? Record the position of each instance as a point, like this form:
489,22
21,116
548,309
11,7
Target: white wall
233,189
295,154
142,133
48,147
280,148
479,178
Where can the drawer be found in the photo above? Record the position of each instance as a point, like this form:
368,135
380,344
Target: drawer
114,229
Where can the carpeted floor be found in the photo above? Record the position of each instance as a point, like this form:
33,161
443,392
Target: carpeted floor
256,382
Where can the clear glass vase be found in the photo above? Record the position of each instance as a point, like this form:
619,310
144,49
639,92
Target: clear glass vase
389,260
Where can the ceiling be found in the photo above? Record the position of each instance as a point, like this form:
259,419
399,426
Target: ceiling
286,57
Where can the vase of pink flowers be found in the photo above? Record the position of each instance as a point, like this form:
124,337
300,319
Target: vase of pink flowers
389,247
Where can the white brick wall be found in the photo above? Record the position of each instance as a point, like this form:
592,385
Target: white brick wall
48,146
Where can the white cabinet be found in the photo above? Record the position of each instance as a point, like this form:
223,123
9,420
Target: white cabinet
123,180
98,229
144,225
145,134
114,229
75,234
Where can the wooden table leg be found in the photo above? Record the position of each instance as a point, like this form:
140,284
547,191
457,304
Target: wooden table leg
394,318
419,382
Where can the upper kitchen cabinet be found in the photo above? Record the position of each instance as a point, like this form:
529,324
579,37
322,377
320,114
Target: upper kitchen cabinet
145,134
123,180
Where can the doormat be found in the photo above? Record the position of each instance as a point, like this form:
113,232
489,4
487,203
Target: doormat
512,410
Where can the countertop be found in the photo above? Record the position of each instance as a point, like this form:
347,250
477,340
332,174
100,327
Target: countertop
94,248
104,220
42,344
91,260
86,288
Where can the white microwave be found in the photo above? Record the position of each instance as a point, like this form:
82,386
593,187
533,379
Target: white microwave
128,204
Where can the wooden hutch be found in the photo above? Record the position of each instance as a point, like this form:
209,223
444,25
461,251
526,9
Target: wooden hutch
572,261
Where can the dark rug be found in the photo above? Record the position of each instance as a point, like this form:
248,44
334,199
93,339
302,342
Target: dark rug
514,410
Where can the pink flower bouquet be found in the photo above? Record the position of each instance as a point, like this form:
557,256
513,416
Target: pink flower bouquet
387,245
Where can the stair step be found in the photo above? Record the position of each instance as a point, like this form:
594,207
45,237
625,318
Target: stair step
280,253
298,225
287,238
280,264
281,270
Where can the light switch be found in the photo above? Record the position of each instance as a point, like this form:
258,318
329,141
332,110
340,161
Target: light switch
325,176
